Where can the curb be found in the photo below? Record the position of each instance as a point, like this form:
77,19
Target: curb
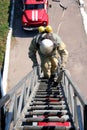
7,53
84,14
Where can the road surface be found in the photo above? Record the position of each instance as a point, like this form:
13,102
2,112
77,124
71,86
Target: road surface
67,23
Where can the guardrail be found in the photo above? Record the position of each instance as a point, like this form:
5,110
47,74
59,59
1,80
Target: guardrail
77,103
16,99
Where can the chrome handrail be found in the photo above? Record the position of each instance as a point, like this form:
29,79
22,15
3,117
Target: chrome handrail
15,100
76,102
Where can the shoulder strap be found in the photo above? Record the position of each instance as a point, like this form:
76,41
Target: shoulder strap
50,36
39,38
46,36
43,36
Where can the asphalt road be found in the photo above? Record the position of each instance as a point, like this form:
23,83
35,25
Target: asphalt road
67,23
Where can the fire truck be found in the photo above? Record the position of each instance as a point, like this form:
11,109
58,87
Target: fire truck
35,14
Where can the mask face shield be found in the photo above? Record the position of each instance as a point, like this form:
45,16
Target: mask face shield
46,46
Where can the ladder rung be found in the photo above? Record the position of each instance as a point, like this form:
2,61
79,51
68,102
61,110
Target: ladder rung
43,128
46,119
46,103
48,99
47,96
58,96
49,90
47,107
49,93
47,112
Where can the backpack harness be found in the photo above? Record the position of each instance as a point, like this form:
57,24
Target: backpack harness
43,36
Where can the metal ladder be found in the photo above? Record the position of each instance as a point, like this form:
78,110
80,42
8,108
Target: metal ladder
46,109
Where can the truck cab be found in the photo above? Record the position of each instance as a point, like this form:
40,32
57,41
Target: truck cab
35,14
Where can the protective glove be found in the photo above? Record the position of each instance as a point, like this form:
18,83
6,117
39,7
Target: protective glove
62,67
35,64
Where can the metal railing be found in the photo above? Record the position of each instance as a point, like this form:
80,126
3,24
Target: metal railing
76,102
17,98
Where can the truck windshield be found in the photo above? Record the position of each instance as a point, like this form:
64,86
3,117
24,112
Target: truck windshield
34,6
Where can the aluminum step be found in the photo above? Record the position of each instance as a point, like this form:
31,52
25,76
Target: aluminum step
48,110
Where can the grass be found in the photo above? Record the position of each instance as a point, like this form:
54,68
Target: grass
4,26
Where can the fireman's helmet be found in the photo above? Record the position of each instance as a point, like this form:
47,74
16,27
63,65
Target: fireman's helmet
41,29
48,29
46,46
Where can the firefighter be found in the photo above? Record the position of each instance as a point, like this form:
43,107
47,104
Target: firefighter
50,48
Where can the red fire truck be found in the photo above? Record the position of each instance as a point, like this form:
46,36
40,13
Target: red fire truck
35,14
